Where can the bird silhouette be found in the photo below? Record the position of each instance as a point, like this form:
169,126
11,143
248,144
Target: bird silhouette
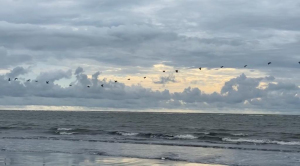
144,77
8,79
102,85
176,71
16,79
200,68
222,66
165,71
299,62
116,81
47,82
128,78
88,86
36,81
28,80
269,63
245,65
70,85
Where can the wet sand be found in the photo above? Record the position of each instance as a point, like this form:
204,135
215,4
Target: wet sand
62,159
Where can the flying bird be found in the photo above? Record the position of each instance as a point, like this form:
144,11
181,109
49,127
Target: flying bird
88,86
165,71
116,81
47,82
200,68
28,80
128,78
222,66
299,62
36,81
144,77
70,85
245,65
102,85
8,79
269,63
16,79
176,71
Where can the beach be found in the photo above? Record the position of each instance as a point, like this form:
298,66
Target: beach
61,159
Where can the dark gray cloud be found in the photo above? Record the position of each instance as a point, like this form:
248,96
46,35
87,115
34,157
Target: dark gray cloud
130,37
16,72
54,75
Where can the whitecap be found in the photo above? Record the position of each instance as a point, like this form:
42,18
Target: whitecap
66,133
185,136
239,134
261,141
127,133
64,129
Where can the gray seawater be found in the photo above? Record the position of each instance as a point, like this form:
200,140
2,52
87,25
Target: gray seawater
228,139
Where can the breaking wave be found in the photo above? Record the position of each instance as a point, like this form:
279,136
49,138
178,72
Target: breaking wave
126,133
258,141
185,136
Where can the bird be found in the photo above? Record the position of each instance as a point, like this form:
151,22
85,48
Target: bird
165,71
70,85
144,77
176,71
269,63
299,62
102,85
16,79
8,79
222,66
47,82
245,65
88,86
36,81
116,81
199,68
28,80
128,78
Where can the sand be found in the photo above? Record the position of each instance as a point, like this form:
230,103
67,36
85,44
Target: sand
63,159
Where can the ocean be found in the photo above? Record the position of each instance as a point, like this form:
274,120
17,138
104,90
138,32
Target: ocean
82,138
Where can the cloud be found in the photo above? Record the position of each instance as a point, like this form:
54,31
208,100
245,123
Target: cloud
241,92
78,70
54,75
126,39
166,79
16,72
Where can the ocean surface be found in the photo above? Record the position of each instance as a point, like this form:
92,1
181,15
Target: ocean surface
225,139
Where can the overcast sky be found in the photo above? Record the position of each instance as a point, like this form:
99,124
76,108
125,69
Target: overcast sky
94,42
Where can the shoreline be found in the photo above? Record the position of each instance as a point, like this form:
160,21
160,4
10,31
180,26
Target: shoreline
65,159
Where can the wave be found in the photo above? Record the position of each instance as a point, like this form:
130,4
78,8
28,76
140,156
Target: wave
258,141
224,134
185,136
64,129
155,135
126,133
239,134
67,133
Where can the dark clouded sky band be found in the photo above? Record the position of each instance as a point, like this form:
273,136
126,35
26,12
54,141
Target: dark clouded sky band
44,40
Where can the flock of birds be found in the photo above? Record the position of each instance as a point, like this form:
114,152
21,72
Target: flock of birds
47,82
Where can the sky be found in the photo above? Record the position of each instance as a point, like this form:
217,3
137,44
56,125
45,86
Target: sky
94,42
